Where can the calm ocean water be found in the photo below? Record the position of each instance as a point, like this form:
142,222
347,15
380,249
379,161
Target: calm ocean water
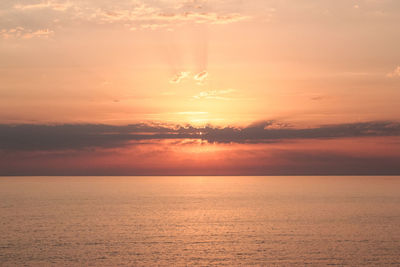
173,221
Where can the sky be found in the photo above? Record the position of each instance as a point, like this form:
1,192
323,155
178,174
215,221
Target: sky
197,87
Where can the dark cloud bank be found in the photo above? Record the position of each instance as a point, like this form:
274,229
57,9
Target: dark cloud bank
31,137
57,149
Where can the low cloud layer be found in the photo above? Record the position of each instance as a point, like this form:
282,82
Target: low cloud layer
82,136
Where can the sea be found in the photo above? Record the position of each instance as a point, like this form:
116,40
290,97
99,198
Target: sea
200,221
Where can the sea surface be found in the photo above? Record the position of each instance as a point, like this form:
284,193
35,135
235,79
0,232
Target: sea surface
178,221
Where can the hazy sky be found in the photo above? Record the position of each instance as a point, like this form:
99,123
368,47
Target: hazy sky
225,63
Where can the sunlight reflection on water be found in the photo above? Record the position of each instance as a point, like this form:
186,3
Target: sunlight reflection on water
146,221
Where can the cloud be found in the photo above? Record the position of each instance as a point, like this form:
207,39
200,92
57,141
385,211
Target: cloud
133,15
180,76
211,17
54,5
153,18
214,94
83,136
317,98
157,149
201,77
192,113
78,136
192,4
394,73
22,33
267,131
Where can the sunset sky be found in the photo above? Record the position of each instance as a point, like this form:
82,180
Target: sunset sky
186,87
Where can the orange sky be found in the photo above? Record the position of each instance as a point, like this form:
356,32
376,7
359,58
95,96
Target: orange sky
196,62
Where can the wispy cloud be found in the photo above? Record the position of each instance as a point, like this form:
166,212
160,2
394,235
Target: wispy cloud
134,15
214,94
180,76
22,33
394,73
192,113
201,77
54,5
206,17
